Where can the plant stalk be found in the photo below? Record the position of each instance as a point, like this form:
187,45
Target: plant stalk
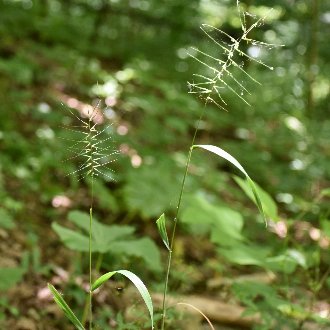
90,269
169,258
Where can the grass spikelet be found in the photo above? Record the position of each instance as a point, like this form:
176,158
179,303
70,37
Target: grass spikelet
90,145
220,77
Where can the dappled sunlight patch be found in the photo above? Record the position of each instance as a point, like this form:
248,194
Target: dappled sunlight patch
280,228
135,158
84,109
61,201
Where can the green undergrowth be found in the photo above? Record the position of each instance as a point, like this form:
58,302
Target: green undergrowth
258,114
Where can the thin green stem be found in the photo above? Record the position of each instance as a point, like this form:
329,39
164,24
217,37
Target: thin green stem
91,228
90,269
169,259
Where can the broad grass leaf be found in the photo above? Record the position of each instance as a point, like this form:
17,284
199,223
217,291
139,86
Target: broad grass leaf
224,224
267,201
161,225
138,284
225,155
65,308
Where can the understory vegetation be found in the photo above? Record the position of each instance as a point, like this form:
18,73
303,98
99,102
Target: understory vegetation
164,165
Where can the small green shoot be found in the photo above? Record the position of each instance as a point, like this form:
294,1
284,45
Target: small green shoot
65,308
161,225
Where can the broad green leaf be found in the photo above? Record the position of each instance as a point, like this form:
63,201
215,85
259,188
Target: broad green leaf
80,219
223,154
147,179
102,235
281,264
70,238
138,284
161,225
65,308
268,203
105,235
144,248
287,262
113,239
245,254
224,224
247,291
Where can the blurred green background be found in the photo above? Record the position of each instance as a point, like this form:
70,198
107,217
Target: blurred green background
134,57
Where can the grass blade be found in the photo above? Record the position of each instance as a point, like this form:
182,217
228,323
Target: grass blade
65,308
138,284
162,231
224,154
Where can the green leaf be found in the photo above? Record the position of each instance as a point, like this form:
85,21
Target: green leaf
138,284
146,179
223,154
144,248
267,201
281,263
224,224
102,235
114,239
245,254
65,308
104,197
161,225
287,262
6,220
70,238
80,219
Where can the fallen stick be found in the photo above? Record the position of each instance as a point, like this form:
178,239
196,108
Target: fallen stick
216,311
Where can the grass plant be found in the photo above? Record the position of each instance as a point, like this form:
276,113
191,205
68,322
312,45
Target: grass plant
94,150
210,89
97,154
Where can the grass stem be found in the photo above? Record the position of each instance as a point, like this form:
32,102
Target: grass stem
90,269
169,258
